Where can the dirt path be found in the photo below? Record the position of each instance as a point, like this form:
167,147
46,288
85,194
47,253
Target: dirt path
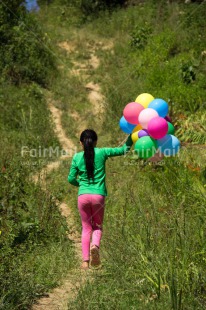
65,142
82,70
59,297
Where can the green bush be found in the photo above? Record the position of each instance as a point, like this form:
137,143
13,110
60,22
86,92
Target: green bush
24,119
139,36
34,247
91,7
32,231
188,74
25,52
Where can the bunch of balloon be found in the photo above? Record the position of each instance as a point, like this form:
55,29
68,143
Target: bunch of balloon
150,126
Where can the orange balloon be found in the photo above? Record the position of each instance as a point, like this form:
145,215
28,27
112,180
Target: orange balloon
137,128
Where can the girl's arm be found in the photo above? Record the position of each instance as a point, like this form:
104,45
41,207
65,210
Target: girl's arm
117,151
72,177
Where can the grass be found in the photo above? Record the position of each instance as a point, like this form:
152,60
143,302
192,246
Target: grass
33,272
153,247
35,252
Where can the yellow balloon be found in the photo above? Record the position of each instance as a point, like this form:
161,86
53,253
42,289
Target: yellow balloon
137,128
134,136
144,99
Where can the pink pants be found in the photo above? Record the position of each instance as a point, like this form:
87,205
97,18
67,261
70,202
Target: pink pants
91,209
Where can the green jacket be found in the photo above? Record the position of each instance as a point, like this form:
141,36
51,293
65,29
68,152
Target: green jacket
78,168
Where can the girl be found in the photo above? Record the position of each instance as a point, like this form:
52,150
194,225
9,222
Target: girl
89,167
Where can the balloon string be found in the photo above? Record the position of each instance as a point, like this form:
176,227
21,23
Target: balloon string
121,143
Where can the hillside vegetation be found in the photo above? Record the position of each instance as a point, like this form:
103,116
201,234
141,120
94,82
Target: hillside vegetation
153,246
33,243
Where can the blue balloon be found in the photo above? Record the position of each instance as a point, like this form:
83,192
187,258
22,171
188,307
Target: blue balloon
125,126
169,145
160,106
31,5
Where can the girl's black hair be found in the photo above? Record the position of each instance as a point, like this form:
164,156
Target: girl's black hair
88,137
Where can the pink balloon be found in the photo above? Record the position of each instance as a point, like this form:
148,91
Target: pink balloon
131,112
145,116
157,127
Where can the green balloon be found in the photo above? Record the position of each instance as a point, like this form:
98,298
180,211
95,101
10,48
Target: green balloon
171,129
145,147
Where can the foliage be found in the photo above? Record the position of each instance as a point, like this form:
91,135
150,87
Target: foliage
171,65
153,247
89,8
92,7
193,129
31,228
24,118
34,249
188,74
25,53
139,36
153,244
33,244
154,241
